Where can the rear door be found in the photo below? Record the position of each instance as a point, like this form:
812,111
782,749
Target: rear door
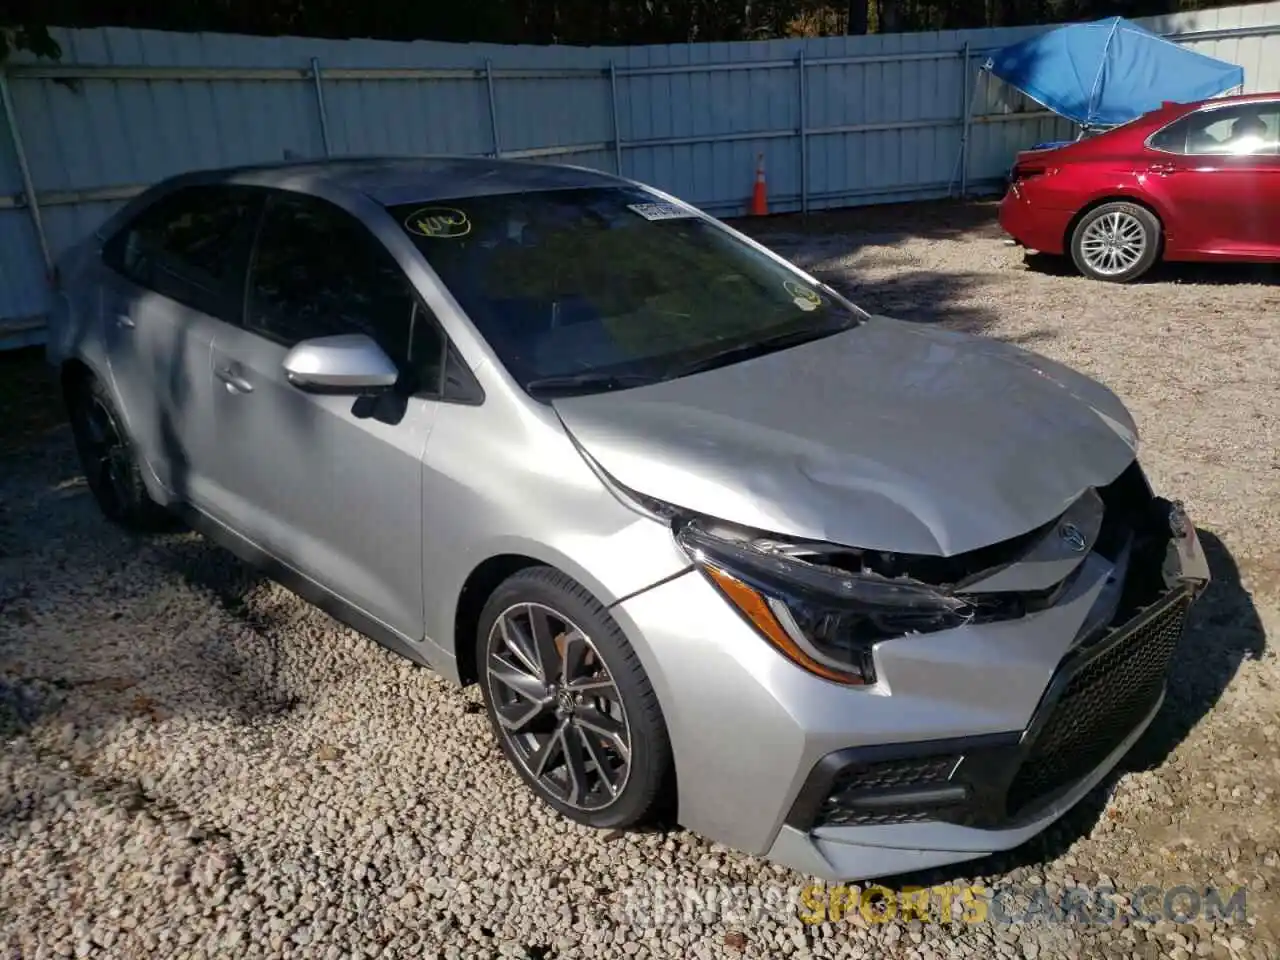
330,485
176,275
1217,172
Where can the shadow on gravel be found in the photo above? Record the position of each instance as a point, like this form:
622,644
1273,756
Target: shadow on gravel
1051,266
1203,274
1223,630
920,297
878,225
819,242
247,679
29,403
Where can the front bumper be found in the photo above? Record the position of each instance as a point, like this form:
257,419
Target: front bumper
971,741
837,854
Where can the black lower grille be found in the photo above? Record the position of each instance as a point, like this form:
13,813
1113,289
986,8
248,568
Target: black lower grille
888,774
1103,700
859,782
838,816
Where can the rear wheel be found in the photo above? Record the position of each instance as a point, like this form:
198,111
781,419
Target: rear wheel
108,460
569,702
1116,242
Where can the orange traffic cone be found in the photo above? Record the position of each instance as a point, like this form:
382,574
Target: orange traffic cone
760,195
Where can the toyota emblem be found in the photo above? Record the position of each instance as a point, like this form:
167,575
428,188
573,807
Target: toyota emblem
1073,537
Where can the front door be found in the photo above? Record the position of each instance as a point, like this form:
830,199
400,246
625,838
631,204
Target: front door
329,485
1218,174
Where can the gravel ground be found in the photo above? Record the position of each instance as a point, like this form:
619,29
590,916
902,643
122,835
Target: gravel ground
196,763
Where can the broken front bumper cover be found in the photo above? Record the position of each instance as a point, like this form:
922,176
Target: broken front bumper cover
877,810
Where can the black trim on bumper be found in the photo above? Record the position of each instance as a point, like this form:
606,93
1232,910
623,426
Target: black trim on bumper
994,781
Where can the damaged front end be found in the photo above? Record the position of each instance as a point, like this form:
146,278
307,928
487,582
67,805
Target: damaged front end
827,606
1103,692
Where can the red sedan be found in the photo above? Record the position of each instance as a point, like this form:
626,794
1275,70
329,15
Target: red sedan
1194,181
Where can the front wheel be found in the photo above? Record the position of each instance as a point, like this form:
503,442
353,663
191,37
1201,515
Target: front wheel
1117,242
569,702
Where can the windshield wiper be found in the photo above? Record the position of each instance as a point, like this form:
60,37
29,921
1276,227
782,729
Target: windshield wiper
591,380
758,348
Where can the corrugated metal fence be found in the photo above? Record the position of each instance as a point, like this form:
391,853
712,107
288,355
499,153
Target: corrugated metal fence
839,120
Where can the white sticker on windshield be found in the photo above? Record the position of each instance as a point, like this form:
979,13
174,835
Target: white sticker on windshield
661,211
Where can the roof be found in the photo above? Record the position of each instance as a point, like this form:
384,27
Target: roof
1246,98
1235,99
392,180
1172,109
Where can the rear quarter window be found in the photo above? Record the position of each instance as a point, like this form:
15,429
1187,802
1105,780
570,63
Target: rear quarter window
191,246
1173,138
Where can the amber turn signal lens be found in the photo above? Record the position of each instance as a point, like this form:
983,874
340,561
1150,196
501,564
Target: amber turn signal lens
756,609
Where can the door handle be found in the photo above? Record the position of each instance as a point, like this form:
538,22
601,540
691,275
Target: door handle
124,320
235,383
1164,169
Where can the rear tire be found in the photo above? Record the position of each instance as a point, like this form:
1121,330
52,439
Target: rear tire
1117,242
569,702
109,461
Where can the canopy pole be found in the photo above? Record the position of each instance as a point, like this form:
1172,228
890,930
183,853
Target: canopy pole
970,94
803,103
1102,65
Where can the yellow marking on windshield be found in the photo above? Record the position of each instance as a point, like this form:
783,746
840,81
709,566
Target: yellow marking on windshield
438,223
805,298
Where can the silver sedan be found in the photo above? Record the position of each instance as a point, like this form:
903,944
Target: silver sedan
858,595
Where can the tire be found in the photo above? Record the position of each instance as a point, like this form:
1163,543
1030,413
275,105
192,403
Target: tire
109,461
1117,242
555,732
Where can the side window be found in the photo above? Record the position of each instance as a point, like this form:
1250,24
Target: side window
1248,129
318,272
191,246
1173,138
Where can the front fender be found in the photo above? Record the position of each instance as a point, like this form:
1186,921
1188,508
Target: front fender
505,480
1136,186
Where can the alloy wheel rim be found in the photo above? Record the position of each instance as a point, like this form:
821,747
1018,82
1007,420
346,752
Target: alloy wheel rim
106,453
558,706
1114,243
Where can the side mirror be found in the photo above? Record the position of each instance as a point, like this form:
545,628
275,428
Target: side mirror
346,364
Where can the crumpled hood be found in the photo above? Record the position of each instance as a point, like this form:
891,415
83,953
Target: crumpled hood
890,436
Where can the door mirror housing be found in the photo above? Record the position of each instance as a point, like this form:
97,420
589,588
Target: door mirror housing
350,364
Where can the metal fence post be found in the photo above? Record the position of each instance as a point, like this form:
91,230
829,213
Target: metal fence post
493,108
324,115
804,135
617,124
968,96
28,188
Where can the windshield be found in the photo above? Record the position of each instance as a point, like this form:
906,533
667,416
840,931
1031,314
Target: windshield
604,288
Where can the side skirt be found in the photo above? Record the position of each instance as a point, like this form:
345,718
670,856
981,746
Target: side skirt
302,585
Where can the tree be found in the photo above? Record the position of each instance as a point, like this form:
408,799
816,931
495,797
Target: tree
857,17
556,21
30,37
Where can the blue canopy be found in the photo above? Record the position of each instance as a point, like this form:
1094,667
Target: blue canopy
1109,72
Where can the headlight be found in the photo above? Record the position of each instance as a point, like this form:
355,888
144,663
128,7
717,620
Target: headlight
822,617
